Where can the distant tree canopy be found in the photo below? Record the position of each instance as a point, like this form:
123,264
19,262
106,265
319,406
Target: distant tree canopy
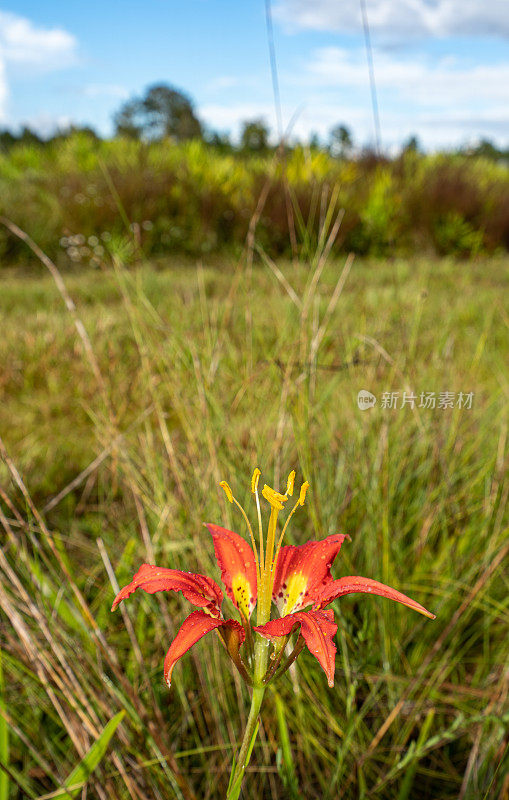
340,141
26,136
412,145
219,141
254,136
162,112
72,130
314,141
487,149
7,140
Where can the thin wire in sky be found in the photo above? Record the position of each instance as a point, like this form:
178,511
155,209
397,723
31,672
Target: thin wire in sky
372,84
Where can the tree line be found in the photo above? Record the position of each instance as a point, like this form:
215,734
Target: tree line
164,112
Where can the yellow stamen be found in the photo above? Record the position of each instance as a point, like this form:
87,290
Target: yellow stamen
303,490
229,494
227,490
290,515
269,554
254,480
254,489
276,499
251,536
290,482
300,502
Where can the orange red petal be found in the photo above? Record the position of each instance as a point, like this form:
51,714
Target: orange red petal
198,589
355,583
197,624
317,628
238,568
302,572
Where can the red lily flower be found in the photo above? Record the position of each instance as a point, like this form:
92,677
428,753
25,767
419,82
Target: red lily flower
292,577
303,578
200,591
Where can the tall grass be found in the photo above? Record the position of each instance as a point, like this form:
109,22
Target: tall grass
203,374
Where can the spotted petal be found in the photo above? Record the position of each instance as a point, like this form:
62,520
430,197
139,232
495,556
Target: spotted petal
192,629
354,583
238,569
317,629
198,589
303,571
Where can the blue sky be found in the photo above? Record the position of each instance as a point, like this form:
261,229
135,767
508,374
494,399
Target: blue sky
441,66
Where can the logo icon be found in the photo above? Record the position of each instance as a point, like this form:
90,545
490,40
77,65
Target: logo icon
365,400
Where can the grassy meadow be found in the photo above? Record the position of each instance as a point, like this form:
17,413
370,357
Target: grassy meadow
196,372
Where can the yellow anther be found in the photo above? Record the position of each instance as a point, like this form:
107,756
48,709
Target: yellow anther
254,480
303,490
276,499
290,482
226,488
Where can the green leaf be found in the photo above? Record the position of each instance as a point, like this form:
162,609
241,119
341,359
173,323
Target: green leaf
408,780
234,790
232,773
4,740
287,768
80,774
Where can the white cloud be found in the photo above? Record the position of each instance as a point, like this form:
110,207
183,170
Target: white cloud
395,19
443,100
297,122
48,124
25,46
436,83
434,129
223,117
21,42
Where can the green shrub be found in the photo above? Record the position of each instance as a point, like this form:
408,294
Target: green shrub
191,198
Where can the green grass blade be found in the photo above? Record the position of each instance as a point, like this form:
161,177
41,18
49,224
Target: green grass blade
234,791
4,740
90,761
288,773
232,773
408,780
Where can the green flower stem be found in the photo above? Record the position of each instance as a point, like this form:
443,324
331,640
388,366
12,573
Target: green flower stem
261,656
245,748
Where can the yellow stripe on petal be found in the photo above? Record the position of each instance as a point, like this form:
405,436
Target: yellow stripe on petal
243,594
292,593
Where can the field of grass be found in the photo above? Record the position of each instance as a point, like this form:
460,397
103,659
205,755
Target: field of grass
199,373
